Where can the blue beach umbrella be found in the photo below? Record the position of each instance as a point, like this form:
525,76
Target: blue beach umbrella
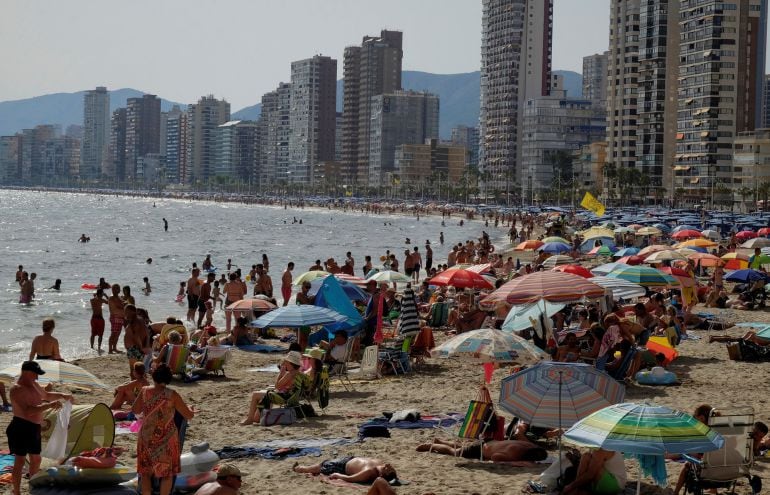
554,248
629,251
354,292
746,275
298,316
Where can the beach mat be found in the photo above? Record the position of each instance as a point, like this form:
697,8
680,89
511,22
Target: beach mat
424,422
228,452
262,348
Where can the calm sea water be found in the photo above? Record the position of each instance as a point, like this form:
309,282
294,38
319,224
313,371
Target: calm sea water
40,231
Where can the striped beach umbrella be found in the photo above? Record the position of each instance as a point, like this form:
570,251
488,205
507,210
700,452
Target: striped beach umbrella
606,268
666,255
756,242
556,238
652,249
557,395
489,345
461,279
389,276
558,259
629,251
644,276
58,373
649,231
644,429
601,251
304,315
310,276
621,289
596,232
549,286
251,305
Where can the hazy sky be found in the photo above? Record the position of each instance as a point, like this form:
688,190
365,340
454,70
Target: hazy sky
240,49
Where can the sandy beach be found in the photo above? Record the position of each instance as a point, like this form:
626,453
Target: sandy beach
442,386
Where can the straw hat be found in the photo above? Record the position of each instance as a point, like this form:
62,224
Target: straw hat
315,353
294,357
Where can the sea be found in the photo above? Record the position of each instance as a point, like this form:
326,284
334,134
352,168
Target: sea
40,230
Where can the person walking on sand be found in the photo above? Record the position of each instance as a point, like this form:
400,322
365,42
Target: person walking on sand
116,306
286,279
97,317
193,293
29,401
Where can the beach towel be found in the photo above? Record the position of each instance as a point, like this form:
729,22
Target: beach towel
450,419
653,466
273,453
123,428
262,348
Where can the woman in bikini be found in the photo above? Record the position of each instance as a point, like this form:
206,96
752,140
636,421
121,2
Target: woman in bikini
129,391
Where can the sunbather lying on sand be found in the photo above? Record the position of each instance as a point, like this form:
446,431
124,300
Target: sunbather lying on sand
518,451
351,469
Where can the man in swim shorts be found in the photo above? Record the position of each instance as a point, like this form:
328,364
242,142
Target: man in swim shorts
496,450
116,305
351,469
97,317
193,293
24,431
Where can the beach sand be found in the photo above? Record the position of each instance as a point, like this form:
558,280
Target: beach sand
442,386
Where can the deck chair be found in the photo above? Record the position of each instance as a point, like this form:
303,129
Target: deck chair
621,372
724,467
439,315
214,360
478,419
176,359
722,320
391,358
300,394
370,368
340,370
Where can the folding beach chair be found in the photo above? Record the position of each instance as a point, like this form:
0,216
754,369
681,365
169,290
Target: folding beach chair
370,367
439,315
722,320
214,360
724,467
478,419
622,371
340,370
176,359
300,393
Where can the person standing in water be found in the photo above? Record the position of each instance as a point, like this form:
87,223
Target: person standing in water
286,279
165,225
116,306
97,317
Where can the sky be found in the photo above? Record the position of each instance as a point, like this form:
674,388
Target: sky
241,49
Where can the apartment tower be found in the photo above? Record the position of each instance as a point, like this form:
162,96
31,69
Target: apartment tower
313,116
96,132
721,73
203,121
515,67
369,70
595,79
142,130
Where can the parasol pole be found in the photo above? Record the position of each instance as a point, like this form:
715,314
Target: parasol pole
560,443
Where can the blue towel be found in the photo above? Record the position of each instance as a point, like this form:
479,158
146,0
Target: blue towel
653,466
6,462
262,348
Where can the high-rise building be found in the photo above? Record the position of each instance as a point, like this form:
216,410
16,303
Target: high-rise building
32,149
402,117
751,159
595,79
369,70
204,119
275,131
430,161
657,87
96,132
766,103
59,160
114,167
10,159
142,130
515,67
622,83
721,73
588,168
554,127
468,137
175,147
313,116
236,150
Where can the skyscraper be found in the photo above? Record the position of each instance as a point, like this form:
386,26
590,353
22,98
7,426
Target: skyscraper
468,137
313,116
175,147
721,72
369,70
595,79
142,130
204,118
515,66
114,167
766,103
96,132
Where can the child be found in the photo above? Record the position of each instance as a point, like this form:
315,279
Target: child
180,295
216,296
147,289
209,313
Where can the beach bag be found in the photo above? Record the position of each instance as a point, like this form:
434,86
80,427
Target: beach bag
734,351
278,416
56,448
373,431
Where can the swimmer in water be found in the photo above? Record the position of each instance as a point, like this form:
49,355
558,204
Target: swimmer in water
149,261
117,239
147,289
56,285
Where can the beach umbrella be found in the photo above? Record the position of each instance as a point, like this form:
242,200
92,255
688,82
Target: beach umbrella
680,228
548,286
711,234
686,234
310,276
519,315
667,255
703,243
682,276
601,251
58,373
558,259
480,268
644,429
745,234
662,226
635,226
757,242
746,275
256,304
705,259
354,292
764,231
304,315
596,232
623,230
530,245
461,279
343,277
631,260
687,251
489,345
621,289
644,276
606,268
389,276
574,269
652,249
649,231
629,251
555,247
735,261
557,395
555,238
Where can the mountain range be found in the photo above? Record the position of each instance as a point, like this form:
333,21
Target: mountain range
459,102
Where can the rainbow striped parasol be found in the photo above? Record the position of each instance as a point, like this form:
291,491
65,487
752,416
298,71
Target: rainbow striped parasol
550,286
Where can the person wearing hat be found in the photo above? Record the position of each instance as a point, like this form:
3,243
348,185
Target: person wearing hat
284,384
228,482
316,357
30,401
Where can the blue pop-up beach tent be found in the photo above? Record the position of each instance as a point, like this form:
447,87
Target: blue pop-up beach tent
331,295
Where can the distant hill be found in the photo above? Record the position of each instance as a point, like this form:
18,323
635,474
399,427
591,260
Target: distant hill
59,108
459,96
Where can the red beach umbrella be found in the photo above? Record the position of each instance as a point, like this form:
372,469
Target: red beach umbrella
686,234
574,269
632,260
745,234
764,231
461,279
530,245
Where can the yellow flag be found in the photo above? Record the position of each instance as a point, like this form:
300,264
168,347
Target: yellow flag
591,203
